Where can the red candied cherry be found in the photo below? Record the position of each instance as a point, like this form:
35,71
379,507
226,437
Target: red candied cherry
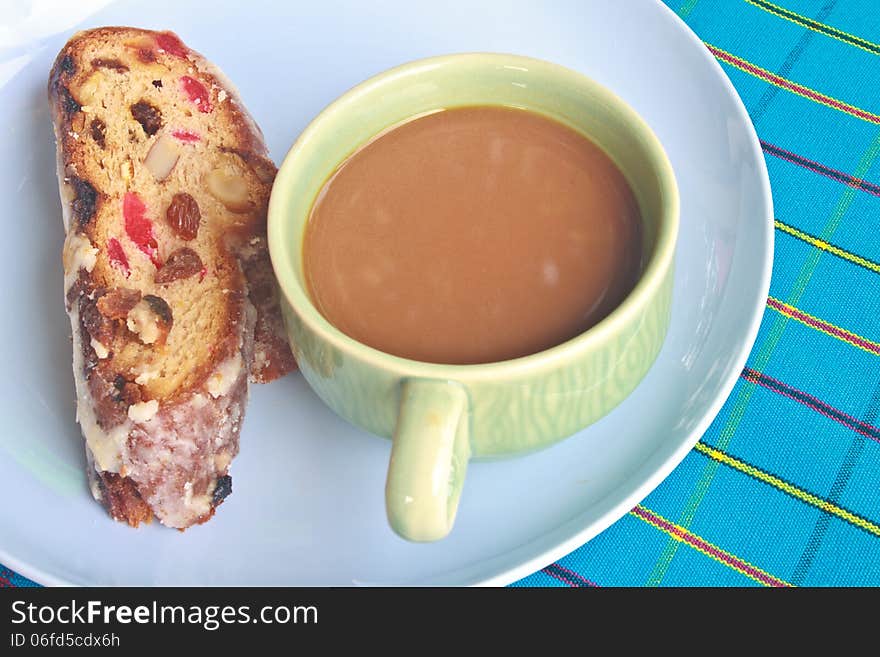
185,136
197,93
117,256
171,43
138,228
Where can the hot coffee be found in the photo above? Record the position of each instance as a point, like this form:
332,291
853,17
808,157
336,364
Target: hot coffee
472,235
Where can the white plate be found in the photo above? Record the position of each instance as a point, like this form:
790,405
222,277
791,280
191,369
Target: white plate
308,502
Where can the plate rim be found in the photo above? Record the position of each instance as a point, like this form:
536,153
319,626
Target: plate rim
579,537
641,491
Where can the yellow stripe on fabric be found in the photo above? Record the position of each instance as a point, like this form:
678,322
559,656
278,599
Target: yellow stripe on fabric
816,26
712,551
791,489
825,246
762,357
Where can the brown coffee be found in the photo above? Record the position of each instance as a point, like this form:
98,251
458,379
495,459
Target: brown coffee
472,235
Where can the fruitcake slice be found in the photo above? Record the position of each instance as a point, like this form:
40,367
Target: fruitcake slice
164,183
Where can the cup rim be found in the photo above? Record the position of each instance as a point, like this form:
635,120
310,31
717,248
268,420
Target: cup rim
646,288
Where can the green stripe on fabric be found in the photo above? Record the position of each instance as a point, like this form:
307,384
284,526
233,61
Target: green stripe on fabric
686,8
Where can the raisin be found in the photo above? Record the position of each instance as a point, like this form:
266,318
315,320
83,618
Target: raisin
126,391
222,490
99,132
181,264
114,64
148,116
161,308
85,201
98,327
109,411
80,287
146,55
64,68
68,102
116,303
183,216
67,65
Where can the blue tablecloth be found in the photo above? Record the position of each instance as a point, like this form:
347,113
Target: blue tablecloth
784,487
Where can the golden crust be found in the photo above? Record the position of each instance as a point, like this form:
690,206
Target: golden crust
121,499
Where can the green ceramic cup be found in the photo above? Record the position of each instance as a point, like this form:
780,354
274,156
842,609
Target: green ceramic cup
441,416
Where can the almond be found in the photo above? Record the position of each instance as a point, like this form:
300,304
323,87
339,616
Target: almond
78,253
150,319
88,90
230,190
162,157
126,170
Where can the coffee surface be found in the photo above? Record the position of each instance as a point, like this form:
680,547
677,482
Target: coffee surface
472,235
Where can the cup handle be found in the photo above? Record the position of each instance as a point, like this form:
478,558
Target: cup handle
429,458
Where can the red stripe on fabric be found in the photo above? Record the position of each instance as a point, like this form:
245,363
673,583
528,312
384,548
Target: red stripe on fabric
793,86
873,347
697,542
